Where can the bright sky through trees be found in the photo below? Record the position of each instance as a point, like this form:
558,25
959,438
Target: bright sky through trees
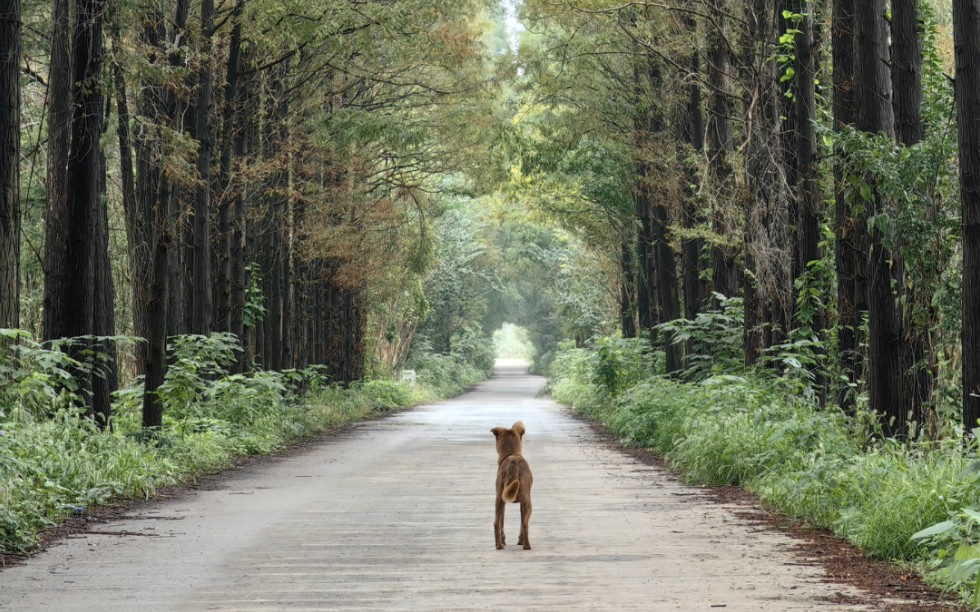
513,22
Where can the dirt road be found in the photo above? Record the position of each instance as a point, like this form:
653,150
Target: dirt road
397,514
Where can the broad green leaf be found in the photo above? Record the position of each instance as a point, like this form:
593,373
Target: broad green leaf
937,529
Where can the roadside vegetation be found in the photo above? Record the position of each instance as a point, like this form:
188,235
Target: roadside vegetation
719,423
54,462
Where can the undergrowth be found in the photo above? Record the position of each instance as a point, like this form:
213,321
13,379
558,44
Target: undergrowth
733,426
54,462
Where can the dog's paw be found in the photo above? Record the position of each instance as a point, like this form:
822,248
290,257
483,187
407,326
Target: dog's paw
500,546
527,546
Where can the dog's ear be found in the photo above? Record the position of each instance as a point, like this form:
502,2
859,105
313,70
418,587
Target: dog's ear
519,428
496,431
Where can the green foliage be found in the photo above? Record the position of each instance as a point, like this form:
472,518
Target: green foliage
460,284
617,364
553,286
255,309
33,379
452,374
196,360
713,339
59,466
955,544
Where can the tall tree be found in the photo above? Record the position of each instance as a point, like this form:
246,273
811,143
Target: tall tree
919,313
885,322
10,26
721,109
691,135
202,294
966,34
271,242
223,240
57,212
646,276
906,71
805,143
850,220
627,284
78,286
155,196
768,254
808,198
662,268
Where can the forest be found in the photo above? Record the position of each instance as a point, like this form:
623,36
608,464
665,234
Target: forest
743,234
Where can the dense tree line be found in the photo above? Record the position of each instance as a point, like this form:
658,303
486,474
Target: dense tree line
793,154
287,172
268,165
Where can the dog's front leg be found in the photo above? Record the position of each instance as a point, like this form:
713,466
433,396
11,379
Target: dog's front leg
525,519
498,523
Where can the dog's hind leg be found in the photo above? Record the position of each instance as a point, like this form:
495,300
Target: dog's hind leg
524,540
498,523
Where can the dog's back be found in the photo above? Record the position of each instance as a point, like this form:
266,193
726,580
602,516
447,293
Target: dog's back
513,480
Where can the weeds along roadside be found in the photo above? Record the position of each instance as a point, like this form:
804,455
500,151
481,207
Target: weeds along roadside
911,503
54,463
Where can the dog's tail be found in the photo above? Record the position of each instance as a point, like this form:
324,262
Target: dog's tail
511,491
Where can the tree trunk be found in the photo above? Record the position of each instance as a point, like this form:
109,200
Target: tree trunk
627,287
156,199
202,294
301,288
646,280
721,109
919,314
850,222
84,242
10,26
178,309
808,172
668,301
223,241
789,137
808,177
106,379
57,212
875,115
274,256
692,130
245,142
159,299
906,71
662,267
966,34
178,263
768,287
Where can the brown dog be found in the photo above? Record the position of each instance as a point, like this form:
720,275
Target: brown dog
513,481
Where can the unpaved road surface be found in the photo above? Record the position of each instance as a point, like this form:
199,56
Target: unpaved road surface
397,514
